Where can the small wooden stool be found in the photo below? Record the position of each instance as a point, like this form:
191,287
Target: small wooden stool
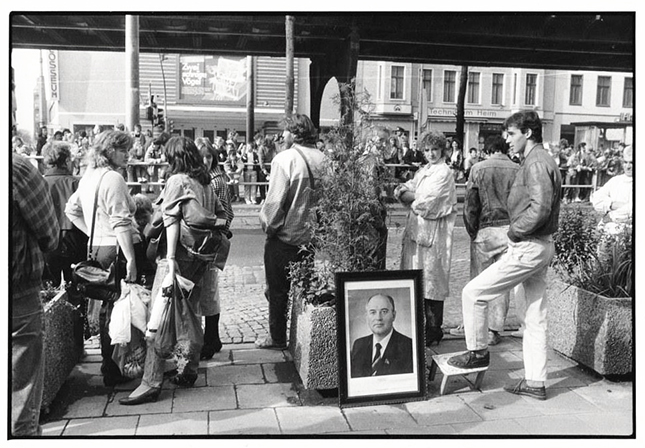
441,361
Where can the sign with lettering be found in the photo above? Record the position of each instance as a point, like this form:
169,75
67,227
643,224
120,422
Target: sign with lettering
474,113
52,71
213,79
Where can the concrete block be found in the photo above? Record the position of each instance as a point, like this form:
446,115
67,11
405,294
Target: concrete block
313,345
593,330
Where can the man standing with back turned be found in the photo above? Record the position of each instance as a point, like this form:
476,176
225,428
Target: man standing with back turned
534,208
283,217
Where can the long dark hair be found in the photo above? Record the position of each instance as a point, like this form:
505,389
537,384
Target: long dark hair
183,157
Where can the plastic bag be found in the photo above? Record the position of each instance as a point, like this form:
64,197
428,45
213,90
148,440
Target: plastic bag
178,319
131,309
131,357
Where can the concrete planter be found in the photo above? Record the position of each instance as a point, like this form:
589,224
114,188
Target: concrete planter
63,344
312,344
593,330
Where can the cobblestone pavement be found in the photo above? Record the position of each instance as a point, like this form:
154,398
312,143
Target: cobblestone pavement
245,311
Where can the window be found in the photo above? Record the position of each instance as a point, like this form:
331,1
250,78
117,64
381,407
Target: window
427,84
396,87
497,91
473,88
449,83
575,94
628,93
379,91
531,89
603,94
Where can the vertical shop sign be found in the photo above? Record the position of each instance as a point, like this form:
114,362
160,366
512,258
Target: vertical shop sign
52,69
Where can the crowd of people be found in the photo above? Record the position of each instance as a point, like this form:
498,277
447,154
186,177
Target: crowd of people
82,191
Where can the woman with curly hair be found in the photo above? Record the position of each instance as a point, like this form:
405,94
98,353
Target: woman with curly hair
427,240
114,226
188,180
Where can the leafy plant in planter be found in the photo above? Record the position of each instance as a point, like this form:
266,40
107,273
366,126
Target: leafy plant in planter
349,230
593,260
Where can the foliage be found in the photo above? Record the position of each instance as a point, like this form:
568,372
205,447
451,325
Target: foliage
591,259
350,212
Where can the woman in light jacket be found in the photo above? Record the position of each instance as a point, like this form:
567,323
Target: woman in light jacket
427,240
113,224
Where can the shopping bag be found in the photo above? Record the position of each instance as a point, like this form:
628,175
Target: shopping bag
188,324
131,357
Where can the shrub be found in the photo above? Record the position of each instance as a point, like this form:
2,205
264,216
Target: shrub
593,260
350,212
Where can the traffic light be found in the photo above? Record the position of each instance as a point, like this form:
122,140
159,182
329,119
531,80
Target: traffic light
150,114
171,126
159,120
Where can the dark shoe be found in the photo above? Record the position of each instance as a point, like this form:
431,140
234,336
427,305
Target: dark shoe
170,373
184,380
209,350
212,342
470,360
493,338
433,334
521,388
149,396
111,381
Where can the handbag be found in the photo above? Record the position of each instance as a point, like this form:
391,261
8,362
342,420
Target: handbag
90,278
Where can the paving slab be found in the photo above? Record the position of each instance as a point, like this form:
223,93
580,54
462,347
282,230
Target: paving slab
316,420
610,397
88,406
441,410
204,399
490,427
423,430
234,374
267,396
562,401
243,422
53,429
112,426
609,423
188,423
381,417
552,425
257,356
281,372
500,405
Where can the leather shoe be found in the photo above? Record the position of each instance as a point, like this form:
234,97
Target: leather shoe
470,360
149,396
521,388
111,381
184,380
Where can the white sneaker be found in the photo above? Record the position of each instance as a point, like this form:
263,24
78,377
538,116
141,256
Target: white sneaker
459,331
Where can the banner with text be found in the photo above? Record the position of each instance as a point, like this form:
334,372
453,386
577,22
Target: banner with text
213,79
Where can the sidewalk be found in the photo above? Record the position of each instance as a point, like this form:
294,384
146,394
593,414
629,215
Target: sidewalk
245,391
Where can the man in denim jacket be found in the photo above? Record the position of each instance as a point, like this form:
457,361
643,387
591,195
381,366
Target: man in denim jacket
487,222
534,208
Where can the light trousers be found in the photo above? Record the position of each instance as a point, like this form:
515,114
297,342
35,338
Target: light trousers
525,263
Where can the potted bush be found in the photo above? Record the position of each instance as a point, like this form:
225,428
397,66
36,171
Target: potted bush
591,307
349,234
63,337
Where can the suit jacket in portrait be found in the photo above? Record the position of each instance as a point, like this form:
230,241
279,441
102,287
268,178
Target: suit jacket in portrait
396,359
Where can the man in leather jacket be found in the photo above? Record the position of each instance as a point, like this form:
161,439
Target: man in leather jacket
534,208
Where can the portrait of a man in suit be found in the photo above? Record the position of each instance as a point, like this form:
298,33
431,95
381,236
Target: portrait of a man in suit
385,351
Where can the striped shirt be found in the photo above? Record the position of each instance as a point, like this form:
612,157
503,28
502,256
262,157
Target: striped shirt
220,188
34,226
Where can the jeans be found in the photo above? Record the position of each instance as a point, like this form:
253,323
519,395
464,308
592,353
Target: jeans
193,270
27,363
526,263
488,247
277,256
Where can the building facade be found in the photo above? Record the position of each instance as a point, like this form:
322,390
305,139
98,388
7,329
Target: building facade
424,96
201,95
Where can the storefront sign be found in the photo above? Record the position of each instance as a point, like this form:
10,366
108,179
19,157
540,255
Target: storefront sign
52,70
483,113
213,79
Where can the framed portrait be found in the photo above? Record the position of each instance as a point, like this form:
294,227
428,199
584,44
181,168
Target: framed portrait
381,348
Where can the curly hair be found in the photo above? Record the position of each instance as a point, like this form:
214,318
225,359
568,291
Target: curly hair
183,157
433,138
303,130
57,153
106,143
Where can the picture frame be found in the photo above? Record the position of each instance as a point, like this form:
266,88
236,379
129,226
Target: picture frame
373,307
